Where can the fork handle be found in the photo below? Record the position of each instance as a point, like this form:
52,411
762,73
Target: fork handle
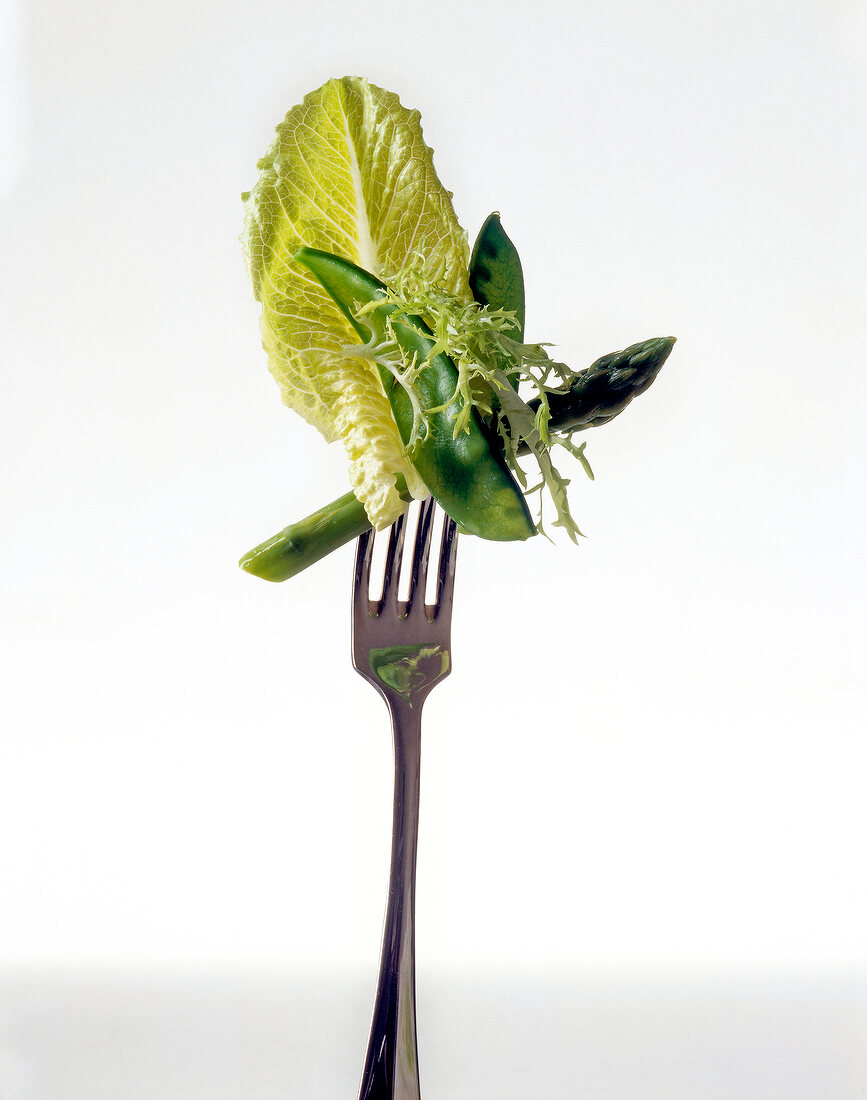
391,1065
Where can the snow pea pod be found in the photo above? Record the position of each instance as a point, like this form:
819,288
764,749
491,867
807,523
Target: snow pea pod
496,275
467,475
496,279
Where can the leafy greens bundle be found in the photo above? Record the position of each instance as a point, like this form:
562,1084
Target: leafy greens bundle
382,332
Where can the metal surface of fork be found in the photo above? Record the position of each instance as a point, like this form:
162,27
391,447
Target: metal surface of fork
403,649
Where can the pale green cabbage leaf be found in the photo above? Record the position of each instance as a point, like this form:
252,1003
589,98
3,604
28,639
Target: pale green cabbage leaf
349,173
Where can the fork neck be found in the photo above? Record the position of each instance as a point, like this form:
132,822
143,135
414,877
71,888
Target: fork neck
391,1069
406,724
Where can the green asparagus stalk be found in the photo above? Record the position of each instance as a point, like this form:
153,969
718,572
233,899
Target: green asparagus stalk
305,542
605,389
598,395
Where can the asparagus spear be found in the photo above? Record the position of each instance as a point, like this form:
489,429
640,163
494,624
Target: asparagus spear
605,389
598,395
305,542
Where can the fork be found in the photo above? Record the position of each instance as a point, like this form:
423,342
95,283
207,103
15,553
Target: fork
402,648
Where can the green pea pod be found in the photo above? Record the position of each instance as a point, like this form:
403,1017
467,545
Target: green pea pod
467,475
496,275
497,280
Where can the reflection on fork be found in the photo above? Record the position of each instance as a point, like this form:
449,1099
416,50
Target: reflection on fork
402,647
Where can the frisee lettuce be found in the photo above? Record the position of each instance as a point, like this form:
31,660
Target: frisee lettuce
491,366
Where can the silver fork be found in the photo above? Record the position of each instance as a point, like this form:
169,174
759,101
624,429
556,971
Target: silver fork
402,648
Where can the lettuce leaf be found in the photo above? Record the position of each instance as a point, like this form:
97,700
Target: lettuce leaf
349,173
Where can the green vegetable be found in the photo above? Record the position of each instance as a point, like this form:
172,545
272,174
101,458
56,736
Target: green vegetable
301,544
491,365
442,395
604,390
465,472
348,172
496,275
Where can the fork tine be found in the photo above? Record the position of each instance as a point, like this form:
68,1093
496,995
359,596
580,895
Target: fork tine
393,557
363,554
361,603
446,573
421,553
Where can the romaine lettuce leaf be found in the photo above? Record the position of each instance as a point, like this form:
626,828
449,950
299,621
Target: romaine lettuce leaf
349,173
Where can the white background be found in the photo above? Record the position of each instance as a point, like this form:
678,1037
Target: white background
649,762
